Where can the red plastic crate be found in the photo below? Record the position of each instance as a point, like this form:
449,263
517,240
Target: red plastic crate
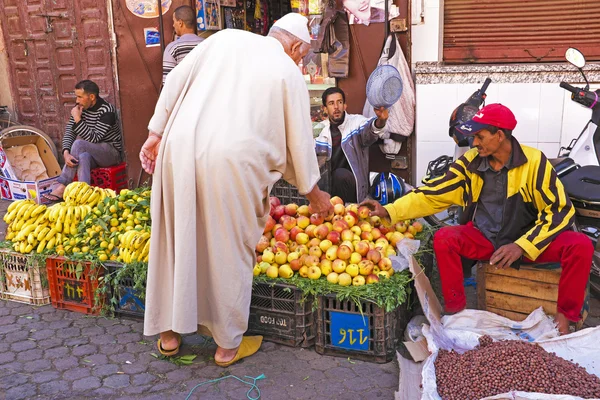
114,178
73,285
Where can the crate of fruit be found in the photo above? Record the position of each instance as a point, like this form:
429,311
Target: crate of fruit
358,329
125,287
282,314
73,284
23,278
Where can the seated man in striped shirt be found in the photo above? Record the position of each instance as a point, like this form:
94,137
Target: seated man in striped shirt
92,138
184,23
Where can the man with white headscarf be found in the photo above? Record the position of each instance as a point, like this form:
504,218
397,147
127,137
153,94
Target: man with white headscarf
232,119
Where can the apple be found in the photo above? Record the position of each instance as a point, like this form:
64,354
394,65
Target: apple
350,220
344,252
400,227
282,235
362,248
418,226
383,230
391,272
258,259
339,209
303,271
372,278
331,253
280,258
333,277
264,266
347,235
274,201
355,258
304,211
285,271
395,238
365,267
336,200
382,242
315,251
390,251
280,246
294,232
349,244
376,234
376,270
353,208
358,280
374,256
368,236
344,279
325,245
275,228
412,230
272,272
289,223
278,212
268,235
316,219
313,242
326,266
302,221
356,230
375,221
337,218
352,270
302,249
334,237
269,225
311,261
268,256
321,231
363,212
409,235
262,244
292,256
310,230
339,266
291,209
385,264
314,272
295,264
302,238
256,270
340,225
329,217
383,274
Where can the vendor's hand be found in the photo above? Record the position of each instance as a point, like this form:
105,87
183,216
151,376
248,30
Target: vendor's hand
319,202
76,112
70,160
377,210
149,152
506,255
382,116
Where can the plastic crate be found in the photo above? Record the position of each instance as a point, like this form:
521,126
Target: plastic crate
128,304
114,178
73,285
288,193
278,313
372,336
22,279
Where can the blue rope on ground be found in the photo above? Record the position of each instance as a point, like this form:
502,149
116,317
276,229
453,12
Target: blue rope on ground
253,385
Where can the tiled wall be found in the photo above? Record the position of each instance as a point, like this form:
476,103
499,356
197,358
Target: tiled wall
546,116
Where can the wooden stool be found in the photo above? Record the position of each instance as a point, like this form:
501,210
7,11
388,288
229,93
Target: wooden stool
514,294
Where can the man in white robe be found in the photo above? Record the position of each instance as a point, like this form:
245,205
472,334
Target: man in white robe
232,119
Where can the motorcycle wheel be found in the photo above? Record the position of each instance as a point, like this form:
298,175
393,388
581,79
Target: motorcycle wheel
449,217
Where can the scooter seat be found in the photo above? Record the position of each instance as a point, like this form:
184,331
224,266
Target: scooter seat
563,165
583,183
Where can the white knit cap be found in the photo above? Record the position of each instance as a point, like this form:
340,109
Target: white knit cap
296,24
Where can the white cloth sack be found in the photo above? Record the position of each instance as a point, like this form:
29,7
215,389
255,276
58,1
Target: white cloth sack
402,114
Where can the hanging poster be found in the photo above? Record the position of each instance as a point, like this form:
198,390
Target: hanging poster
147,8
208,16
151,37
368,11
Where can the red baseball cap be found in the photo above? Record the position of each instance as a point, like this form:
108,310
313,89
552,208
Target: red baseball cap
493,114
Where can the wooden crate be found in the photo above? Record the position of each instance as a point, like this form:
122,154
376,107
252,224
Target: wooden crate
516,293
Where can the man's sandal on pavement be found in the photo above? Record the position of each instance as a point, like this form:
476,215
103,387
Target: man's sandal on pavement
169,353
249,346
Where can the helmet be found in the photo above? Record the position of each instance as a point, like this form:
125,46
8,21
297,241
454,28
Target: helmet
387,188
460,115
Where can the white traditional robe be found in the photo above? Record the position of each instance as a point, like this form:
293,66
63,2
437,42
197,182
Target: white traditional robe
234,117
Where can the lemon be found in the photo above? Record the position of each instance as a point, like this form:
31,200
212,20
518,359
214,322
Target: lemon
104,244
114,222
113,209
85,249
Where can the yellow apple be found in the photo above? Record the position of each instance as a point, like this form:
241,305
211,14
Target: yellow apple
280,258
326,266
385,264
383,274
263,267
315,251
358,280
268,256
256,270
336,200
331,253
372,278
285,271
333,277
303,271
314,272
304,211
352,270
356,230
293,256
325,245
339,266
418,226
365,267
272,272
344,279
349,244
355,258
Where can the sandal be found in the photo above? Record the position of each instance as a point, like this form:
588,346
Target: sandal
249,346
169,353
52,198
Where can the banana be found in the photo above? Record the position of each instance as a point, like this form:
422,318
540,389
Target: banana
77,213
12,206
42,234
22,247
73,230
30,238
51,243
10,217
38,229
69,215
61,214
41,246
38,209
28,248
58,226
10,236
23,209
86,195
50,234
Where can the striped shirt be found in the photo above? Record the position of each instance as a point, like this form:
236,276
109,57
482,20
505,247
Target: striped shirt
177,50
98,124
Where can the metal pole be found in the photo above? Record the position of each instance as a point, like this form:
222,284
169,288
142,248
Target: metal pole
387,22
161,28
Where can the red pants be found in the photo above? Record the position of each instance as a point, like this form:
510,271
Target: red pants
573,250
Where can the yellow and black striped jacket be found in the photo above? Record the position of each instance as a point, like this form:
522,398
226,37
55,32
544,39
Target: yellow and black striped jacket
536,210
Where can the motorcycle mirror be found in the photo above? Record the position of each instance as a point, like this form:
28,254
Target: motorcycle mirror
575,57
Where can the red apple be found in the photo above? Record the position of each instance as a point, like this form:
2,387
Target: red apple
321,232
362,248
269,225
316,219
291,209
311,261
385,264
294,232
280,246
372,278
366,236
340,225
374,256
363,212
274,201
313,242
275,228
336,200
278,212
262,244
344,252
289,223
310,230
335,237
295,264
282,235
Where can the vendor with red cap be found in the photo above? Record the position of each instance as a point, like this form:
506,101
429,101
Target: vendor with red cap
515,210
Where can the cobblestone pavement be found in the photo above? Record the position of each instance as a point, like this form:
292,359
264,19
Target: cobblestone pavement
55,354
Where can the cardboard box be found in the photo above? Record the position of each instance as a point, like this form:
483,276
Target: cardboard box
11,188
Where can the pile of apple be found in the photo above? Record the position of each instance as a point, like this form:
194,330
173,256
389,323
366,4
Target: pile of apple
347,248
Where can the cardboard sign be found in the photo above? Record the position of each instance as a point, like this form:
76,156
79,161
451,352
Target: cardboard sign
349,331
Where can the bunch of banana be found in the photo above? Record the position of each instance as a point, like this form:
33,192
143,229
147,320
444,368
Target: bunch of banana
80,193
134,246
65,217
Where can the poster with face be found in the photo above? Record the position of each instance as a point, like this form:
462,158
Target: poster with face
368,11
209,16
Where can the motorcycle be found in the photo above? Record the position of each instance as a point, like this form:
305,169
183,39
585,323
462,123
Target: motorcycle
578,166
